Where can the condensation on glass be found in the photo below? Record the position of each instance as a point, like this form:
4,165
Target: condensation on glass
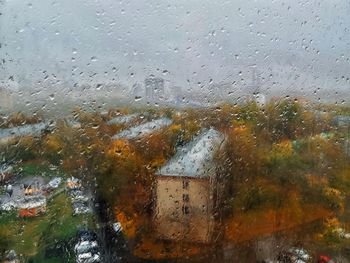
174,131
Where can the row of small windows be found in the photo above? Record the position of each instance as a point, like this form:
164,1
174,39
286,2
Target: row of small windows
185,210
185,184
185,198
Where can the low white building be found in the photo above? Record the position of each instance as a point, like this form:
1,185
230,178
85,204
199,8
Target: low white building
31,206
122,119
143,129
8,134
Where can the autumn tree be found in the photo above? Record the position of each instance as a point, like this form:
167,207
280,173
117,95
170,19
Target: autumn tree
238,161
282,119
124,178
19,119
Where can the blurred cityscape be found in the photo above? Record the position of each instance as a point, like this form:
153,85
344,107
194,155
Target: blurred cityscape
262,180
154,91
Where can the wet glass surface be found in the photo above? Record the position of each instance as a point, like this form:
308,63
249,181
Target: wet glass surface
174,131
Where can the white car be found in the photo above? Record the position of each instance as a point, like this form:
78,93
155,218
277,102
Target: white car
117,227
81,198
80,208
53,167
299,255
88,258
55,182
8,206
85,247
78,195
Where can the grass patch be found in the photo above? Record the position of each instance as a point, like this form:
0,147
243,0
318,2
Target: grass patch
32,237
39,259
37,169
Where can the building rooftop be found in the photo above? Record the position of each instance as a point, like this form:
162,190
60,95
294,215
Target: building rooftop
5,168
196,158
342,120
29,129
123,119
29,202
143,129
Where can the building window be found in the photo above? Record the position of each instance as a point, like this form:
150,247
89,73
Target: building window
185,210
185,184
185,197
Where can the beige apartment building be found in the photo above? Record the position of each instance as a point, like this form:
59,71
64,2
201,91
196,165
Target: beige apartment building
6,100
186,191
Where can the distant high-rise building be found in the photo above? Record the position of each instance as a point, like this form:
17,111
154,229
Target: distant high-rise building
154,88
254,85
260,99
138,91
176,94
254,89
6,99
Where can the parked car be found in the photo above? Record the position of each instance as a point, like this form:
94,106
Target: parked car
75,192
80,207
55,182
6,172
89,258
86,235
8,206
73,183
85,247
82,198
117,227
11,256
78,195
294,255
324,259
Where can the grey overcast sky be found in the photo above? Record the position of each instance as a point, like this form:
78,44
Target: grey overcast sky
295,45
